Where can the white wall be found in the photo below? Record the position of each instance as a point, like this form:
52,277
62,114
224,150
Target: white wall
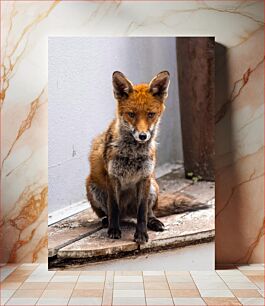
81,103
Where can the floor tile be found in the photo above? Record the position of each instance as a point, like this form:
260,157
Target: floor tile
211,285
91,278
28,293
179,278
109,275
156,285
102,273
129,286
252,301
3,300
85,301
128,279
246,293
232,272
209,279
60,286
236,285
182,285
71,273
22,271
109,280
260,285
28,266
154,278
251,267
9,285
235,278
204,277
159,301
12,278
157,293
128,273
216,293
203,272
261,292
128,293
224,266
188,301
177,273
6,271
22,301
53,301
39,278
6,293
89,285
185,293
253,272
87,293
218,301
40,271
107,297
33,286
145,273
64,278
256,278
131,301
56,293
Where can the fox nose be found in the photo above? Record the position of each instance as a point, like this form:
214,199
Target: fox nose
142,136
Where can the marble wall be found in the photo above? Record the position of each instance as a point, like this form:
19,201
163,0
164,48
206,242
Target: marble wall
237,26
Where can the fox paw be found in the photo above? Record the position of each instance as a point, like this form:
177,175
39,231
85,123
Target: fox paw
140,237
114,233
155,225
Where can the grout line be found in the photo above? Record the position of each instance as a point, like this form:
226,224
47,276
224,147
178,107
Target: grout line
104,288
169,288
142,273
112,289
73,289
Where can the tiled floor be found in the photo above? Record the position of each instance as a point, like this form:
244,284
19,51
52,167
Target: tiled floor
33,284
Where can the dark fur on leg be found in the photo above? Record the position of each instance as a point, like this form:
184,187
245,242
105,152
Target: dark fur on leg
143,188
114,230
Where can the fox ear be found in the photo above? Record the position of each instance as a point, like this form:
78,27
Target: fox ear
122,87
158,86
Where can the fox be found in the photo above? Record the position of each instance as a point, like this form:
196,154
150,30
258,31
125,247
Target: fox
122,182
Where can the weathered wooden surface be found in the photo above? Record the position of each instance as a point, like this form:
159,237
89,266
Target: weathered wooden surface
72,229
82,236
197,104
186,228
173,181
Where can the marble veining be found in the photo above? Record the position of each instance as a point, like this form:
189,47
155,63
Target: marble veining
237,25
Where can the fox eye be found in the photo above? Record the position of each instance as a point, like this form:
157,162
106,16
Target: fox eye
151,115
131,114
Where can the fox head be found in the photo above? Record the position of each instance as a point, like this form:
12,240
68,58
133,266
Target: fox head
140,106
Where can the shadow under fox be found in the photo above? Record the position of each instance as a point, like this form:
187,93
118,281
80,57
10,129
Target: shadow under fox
122,183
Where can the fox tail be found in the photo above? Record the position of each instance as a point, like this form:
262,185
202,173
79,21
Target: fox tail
176,203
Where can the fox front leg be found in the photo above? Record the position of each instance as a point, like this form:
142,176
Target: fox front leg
143,188
114,230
